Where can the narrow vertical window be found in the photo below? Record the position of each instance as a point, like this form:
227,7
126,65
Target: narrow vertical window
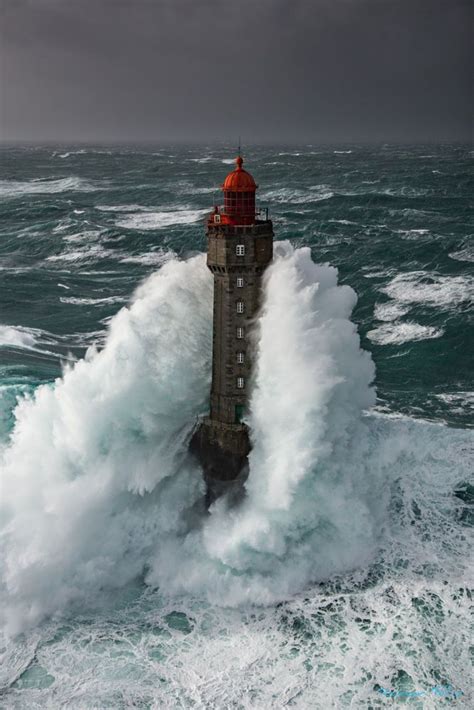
240,358
240,383
240,306
240,333
240,282
240,249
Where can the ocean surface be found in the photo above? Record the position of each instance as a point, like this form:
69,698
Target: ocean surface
343,580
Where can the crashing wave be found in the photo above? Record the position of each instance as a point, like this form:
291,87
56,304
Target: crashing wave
98,487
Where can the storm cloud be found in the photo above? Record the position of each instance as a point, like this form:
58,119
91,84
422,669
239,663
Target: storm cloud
202,70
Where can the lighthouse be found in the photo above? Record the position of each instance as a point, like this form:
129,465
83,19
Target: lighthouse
239,249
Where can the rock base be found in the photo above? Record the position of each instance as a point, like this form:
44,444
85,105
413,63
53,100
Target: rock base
222,450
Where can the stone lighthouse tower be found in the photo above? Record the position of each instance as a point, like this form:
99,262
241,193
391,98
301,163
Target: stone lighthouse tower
240,247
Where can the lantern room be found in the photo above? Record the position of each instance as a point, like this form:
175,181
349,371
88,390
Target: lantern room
239,196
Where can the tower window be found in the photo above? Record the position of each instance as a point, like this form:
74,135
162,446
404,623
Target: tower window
240,383
240,333
240,358
240,282
240,306
240,249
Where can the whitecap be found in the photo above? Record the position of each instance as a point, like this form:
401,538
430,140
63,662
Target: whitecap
390,311
82,151
430,288
17,336
202,190
88,252
26,339
123,208
378,274
152,258
316,193
159,220
106,300
18,188
411,234
88,235
460,401
399,333
466,254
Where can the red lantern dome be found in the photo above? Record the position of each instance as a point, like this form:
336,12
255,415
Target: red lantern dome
239,180
239,196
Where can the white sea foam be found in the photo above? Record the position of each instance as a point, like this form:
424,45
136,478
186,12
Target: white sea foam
89,252
81,151
430,288
112,429
17,188
398,333
87,236
106,300
152,258
123,208
461,402
413,234
466,254
382,273
202,190
16,336
390,311
159,220
33,339
316,193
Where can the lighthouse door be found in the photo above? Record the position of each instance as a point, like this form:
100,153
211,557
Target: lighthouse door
239,413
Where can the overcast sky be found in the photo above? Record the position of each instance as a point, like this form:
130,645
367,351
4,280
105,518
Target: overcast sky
269,70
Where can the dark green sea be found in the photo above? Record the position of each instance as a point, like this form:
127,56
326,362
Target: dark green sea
343,581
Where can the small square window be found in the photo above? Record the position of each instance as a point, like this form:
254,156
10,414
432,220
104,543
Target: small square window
240,249
240,282
240,333
240,306
240,383
240,358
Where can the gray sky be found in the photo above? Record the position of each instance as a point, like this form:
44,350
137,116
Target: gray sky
201,70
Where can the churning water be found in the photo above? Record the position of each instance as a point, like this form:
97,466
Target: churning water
343,578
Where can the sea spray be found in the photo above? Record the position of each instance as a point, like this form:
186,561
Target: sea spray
315,483
85,478
98,484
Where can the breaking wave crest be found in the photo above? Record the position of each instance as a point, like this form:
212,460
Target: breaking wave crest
88,475
398,333
159,220
98,488
17,188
